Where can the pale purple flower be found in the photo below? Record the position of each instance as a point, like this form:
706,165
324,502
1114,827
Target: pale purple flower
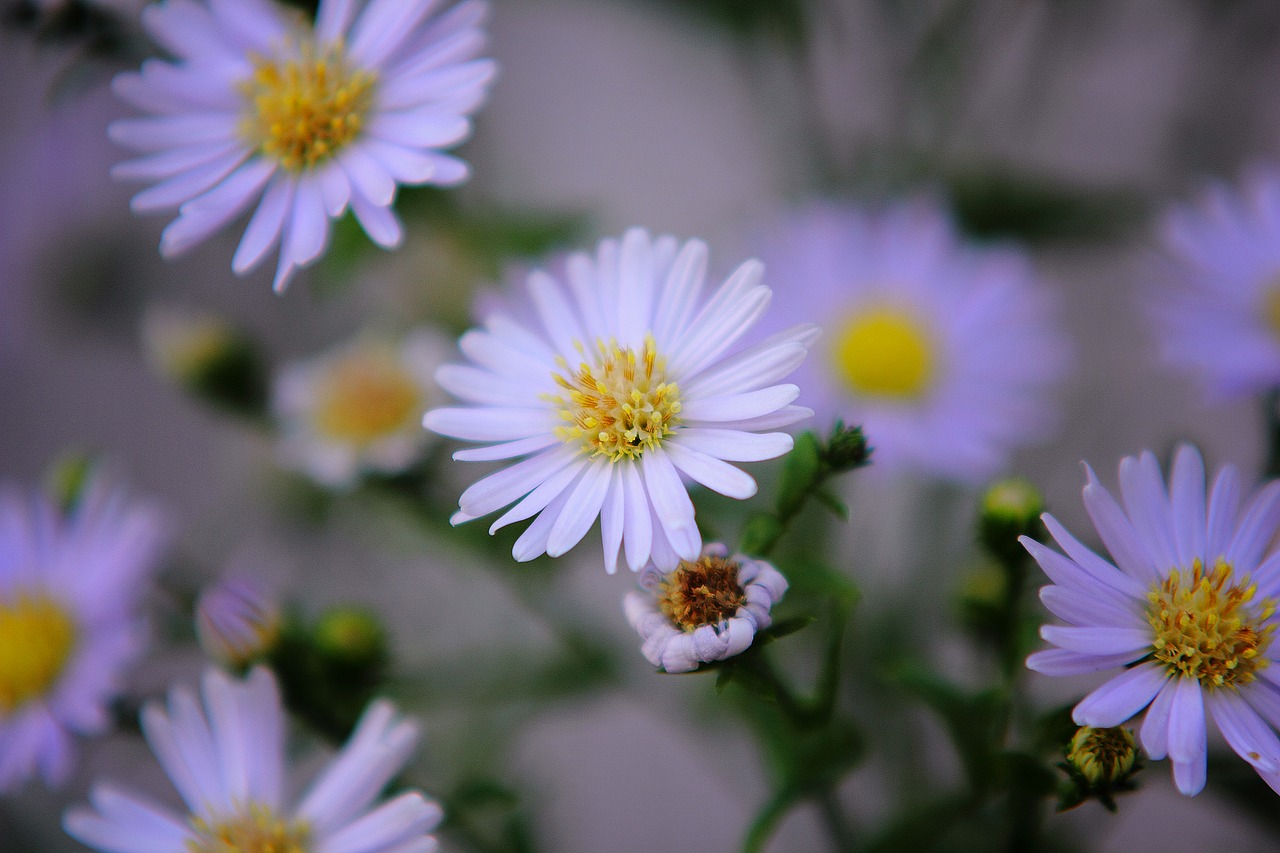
261,109
620,382
70,627
226,757
1215,290
706,610
1185,609
237,619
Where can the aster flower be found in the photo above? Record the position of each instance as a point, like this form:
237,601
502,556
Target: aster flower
226,759
237,619
1215,294
616,386
69,624
705,610
944,352
358,408
1185,609
307,121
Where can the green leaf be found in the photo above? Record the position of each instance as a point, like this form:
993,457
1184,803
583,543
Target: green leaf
800,473
760,534
990,202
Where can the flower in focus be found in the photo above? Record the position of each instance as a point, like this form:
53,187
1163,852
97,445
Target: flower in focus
358,408
307,121
237,619
227,762
705,610
1217,301
944,352
70,587
1186,609
613,390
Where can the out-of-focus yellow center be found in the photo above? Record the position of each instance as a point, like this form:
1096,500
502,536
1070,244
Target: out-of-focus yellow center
365,396
1271,307
37,637
884,352
619,404
1207,626
305,109
705,592
255,830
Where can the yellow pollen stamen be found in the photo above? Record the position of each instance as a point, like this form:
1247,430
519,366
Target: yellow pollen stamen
256,829
618,405
306,109
364,396
703,593
885,352
37,637
1207,627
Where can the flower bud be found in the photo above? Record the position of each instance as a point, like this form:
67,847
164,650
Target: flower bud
847,448
1010,508
1103,757
351,638
209,357
238,620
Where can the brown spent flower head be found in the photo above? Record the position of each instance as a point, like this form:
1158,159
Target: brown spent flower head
705,592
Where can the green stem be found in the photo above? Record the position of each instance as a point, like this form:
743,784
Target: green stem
766,822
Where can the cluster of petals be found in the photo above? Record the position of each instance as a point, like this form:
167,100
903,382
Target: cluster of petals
1150,534
675,649
995,344
636,292
92,565
1215,286
425,81
225,756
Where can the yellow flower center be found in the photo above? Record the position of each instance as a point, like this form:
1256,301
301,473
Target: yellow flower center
304,110
255,830
1271,307
618,405
37,636
702,593
364,396
885,352
1206,626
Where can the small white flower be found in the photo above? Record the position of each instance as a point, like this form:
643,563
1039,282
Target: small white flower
614,390
359,408
705,610
70,587
226,760
1186,611
943,351
1216,290
307,121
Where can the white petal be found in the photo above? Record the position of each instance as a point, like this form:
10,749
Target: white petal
733,445
264,227
1121,697
716,475
582,508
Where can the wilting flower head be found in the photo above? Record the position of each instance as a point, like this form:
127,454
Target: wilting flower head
705,610
70,586
227,761
1215,293
1185,610
359,408
620,380
943,351
237,619
260,106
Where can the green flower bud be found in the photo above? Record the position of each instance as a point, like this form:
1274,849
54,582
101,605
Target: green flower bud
209,357
1104,758
351,638
1010,508
847,448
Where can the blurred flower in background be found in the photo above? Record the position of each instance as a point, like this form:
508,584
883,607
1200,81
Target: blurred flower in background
359,408
227,761
946,352
71,585
1215,289
238,619
311,121
629,383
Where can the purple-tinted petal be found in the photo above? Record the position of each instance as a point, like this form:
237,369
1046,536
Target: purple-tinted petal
1121,697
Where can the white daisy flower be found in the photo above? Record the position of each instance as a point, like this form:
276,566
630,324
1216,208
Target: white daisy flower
70,587
359,408
622,381
1216,295
1185,609
943,351
706,610
227,761
260,106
